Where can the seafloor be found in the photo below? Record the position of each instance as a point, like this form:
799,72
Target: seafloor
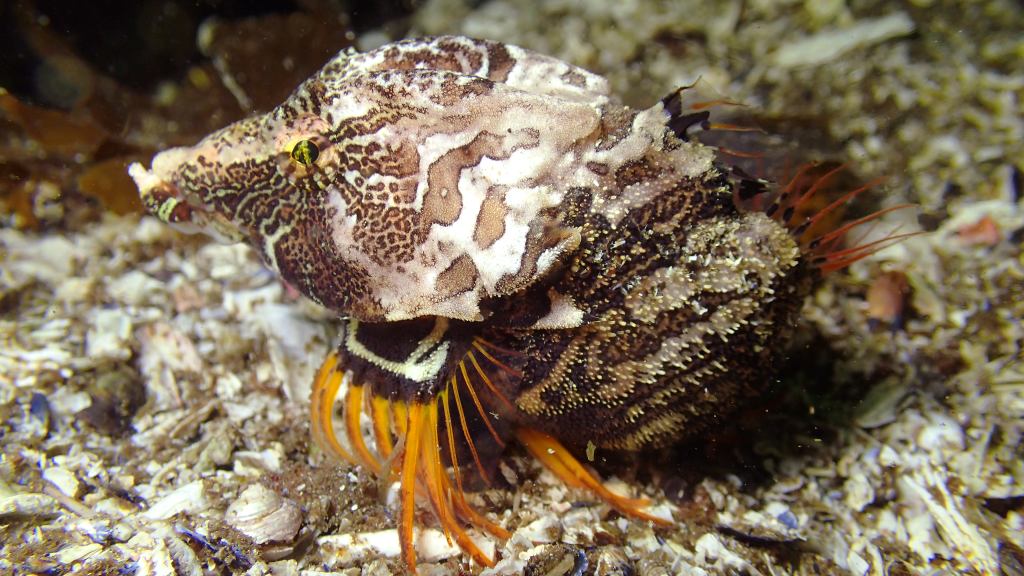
153,386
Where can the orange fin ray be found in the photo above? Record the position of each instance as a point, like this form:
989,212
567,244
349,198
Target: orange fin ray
732,127
479,407
837,233
738,153
703,105
430,473
487,380
821,182
407,492
433,476
797,231
557,458
477,343
500,349
451,443
353,411
459,501
783,197
465,430
830,263
321,407
382,425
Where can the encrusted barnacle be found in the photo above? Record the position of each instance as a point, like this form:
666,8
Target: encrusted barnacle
608,560
557,560
264,515
515,254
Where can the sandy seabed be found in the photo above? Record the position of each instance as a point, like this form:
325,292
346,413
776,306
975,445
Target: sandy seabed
154,387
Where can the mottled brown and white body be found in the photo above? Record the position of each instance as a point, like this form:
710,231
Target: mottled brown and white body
491,221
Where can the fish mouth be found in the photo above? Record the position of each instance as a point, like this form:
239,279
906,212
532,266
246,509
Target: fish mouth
148,182
160,197
165,200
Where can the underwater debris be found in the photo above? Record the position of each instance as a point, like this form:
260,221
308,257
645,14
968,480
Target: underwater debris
886,299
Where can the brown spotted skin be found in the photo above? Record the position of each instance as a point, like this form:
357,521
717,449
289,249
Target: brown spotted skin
689,303
471,189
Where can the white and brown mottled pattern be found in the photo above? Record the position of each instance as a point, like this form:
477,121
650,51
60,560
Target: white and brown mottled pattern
443,171
507,194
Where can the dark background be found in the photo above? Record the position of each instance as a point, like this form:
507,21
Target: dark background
141,43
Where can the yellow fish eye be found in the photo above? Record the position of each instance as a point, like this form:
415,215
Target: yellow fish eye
305,152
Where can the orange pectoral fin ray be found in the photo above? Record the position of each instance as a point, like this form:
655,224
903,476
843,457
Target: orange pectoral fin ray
438,489
353,411
321,407
407,493
381,417
557,458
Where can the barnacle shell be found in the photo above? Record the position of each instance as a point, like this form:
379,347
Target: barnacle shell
187,562
557,560
652,567
263,515
608,561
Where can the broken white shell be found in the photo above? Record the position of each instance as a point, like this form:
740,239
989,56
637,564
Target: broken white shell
27,506
188,498
64,480
340,550
263,515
